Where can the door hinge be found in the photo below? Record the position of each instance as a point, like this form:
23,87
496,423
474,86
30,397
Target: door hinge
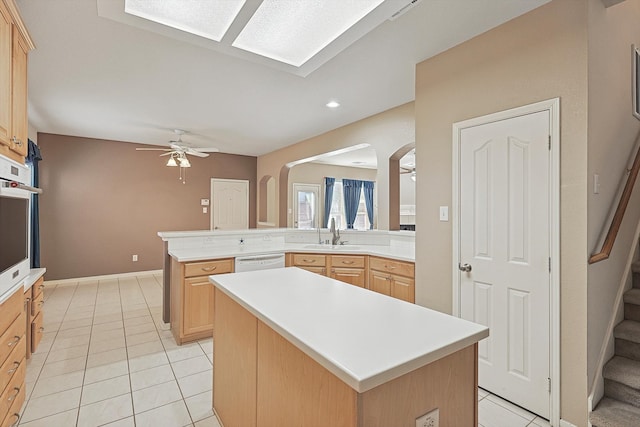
549,142
549,264
549,385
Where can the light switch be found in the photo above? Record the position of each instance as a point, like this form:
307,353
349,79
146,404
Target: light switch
596,183
204,209
444,213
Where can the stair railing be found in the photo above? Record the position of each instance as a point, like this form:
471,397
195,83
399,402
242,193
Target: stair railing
620,203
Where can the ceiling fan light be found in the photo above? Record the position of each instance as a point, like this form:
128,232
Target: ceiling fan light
413,176
172,162
184,162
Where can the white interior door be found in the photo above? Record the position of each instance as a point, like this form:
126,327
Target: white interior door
306,206
504,237
230,204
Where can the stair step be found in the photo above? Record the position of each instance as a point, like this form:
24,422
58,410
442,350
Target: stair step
632,296
622,380
628,330
613,413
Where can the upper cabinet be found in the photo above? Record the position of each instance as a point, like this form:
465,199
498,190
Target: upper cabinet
15,44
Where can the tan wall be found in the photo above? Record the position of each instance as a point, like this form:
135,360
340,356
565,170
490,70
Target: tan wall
612,133
386,132
538,56
313,173
103,202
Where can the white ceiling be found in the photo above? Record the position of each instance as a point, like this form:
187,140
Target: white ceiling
94,77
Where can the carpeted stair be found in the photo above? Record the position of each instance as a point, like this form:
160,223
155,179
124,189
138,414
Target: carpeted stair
620,406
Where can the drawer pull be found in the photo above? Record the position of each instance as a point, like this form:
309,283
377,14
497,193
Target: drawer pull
15,414
15,341
41,287
41,329
347,262
16,365
17,391
213,267
311,261
389,267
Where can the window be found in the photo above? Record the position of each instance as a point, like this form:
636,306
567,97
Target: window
338,212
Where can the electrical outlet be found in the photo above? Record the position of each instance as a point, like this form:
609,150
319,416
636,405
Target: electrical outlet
431,419
134,258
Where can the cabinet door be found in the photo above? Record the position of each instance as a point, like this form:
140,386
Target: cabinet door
5,76
318,270
197,310
353,276
403,288
379,282
19,126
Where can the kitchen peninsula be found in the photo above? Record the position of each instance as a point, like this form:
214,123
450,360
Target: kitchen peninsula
297,348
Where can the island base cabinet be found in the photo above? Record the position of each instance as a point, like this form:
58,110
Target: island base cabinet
260,379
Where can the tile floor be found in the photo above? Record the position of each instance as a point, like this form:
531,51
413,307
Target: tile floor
107,359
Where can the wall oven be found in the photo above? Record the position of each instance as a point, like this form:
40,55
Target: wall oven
15,202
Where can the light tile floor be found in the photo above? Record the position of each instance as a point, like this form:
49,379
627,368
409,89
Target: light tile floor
107,358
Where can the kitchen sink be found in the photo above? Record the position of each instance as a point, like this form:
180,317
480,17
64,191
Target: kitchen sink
333,247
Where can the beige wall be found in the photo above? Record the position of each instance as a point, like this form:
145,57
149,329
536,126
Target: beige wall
386,132
103,202
612,133
538,56
314,173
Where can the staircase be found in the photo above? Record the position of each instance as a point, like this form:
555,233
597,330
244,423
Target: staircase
620,406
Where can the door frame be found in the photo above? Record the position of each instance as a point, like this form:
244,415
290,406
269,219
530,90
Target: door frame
553,107
211,210
294,203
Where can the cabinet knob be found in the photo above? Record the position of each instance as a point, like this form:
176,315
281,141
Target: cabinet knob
16,141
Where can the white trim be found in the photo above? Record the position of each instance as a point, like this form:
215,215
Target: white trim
553,107
104,277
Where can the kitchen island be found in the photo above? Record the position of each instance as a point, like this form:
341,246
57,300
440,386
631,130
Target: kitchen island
295,348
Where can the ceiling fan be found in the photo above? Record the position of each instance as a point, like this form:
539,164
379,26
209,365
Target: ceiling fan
178,151
411,171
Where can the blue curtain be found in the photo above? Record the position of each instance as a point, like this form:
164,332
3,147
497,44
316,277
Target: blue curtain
33,157
351,189
328,197
367,187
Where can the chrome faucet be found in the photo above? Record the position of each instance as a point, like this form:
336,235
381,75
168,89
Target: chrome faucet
335,234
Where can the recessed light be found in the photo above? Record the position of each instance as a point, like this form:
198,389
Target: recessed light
357,163
333,104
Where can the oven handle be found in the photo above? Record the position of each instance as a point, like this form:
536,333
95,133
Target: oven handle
16,184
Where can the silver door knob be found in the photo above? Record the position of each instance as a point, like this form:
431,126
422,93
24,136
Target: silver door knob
464,267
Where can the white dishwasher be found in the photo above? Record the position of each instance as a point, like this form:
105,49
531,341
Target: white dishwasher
259,262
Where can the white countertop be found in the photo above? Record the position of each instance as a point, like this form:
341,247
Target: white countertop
364,338
26,283
214,252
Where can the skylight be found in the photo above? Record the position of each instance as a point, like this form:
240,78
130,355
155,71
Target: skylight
294,31
206,18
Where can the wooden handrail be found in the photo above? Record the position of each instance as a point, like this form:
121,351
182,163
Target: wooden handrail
607,245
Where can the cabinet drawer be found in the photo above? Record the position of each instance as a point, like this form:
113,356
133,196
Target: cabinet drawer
10,309
37,330
13,415
36,304
13,396
347,261
309,260
12,336
206,268
12,364
390,266
38,287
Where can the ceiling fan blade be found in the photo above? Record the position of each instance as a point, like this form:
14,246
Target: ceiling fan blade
196,153
153,149
207,150
167,154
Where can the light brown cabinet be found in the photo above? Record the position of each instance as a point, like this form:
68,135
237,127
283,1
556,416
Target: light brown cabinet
393,278
350,269
12,358
314,263
15,44
192,298
33,303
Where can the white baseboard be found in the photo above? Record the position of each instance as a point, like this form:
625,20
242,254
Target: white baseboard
104,277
